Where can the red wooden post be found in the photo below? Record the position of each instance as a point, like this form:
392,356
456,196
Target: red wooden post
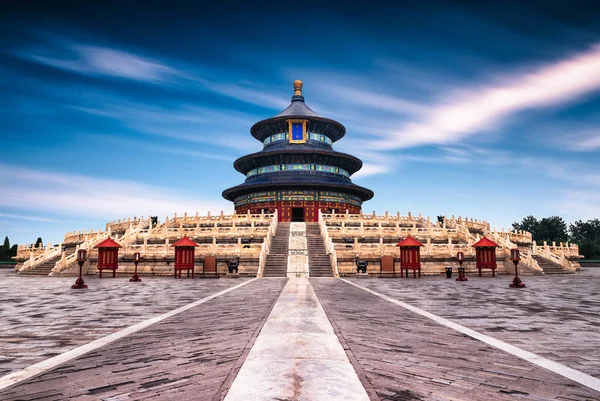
461,270
184,256
81,258
108,256
136,260
485,255
515,257
410,256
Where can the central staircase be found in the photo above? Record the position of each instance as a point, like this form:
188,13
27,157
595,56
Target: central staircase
43,269
550,267
318,260
277,260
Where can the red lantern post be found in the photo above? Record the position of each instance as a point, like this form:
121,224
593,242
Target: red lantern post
485,255
515,257
461,270
108,256
81,258
184,256
410,256
136,260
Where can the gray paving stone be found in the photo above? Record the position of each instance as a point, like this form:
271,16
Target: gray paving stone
43,317
406,356
188,355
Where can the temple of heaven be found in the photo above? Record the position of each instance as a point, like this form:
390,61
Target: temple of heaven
297,172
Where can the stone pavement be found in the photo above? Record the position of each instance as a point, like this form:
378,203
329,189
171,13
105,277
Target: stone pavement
42,317
190,356
408,357
557,317
397,354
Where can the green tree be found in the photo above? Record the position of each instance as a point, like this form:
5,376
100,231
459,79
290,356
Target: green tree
39,242
551,229
548,229
587,236
529,223
588,230
6,251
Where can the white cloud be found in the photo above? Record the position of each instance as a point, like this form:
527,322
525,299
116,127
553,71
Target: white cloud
79,195
181,122
373,162
583,141
29,218
480,108
578,205
255,95
97,60
71,55
373,100
371,169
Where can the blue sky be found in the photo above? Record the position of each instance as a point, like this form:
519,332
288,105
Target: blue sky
122,109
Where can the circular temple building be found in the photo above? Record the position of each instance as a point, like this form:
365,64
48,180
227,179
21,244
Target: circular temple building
297,172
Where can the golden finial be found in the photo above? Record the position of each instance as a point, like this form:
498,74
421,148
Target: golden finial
297,87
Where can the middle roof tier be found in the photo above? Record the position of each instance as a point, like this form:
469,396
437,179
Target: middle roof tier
298,154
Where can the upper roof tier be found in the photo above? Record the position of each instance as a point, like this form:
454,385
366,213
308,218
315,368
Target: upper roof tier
298,109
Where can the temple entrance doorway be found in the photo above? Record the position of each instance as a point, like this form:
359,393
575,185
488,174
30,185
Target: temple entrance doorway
298,214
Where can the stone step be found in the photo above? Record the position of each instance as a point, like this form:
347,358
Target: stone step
549,267
43,269
276,263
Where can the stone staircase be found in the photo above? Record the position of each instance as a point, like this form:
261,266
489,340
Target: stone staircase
550,267
277,260
318,260
43,269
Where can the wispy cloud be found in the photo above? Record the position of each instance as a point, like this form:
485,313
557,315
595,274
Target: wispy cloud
579,140
374,100
79,195
578,205
261,95
373,162
29,218
102,61
160,149
179,121
480,108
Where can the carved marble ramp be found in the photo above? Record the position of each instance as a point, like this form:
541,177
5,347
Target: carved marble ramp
297,356
297,251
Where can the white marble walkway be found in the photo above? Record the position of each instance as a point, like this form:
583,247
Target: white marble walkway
297,355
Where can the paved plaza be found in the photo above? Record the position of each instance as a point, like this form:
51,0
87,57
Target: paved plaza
300,339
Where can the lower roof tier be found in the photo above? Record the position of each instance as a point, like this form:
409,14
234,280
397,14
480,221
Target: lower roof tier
293,177
275,196
352,190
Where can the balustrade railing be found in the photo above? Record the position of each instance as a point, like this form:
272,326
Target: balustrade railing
329,245
463,230
265,247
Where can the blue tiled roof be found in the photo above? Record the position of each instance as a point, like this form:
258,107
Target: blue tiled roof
281,152
298,109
